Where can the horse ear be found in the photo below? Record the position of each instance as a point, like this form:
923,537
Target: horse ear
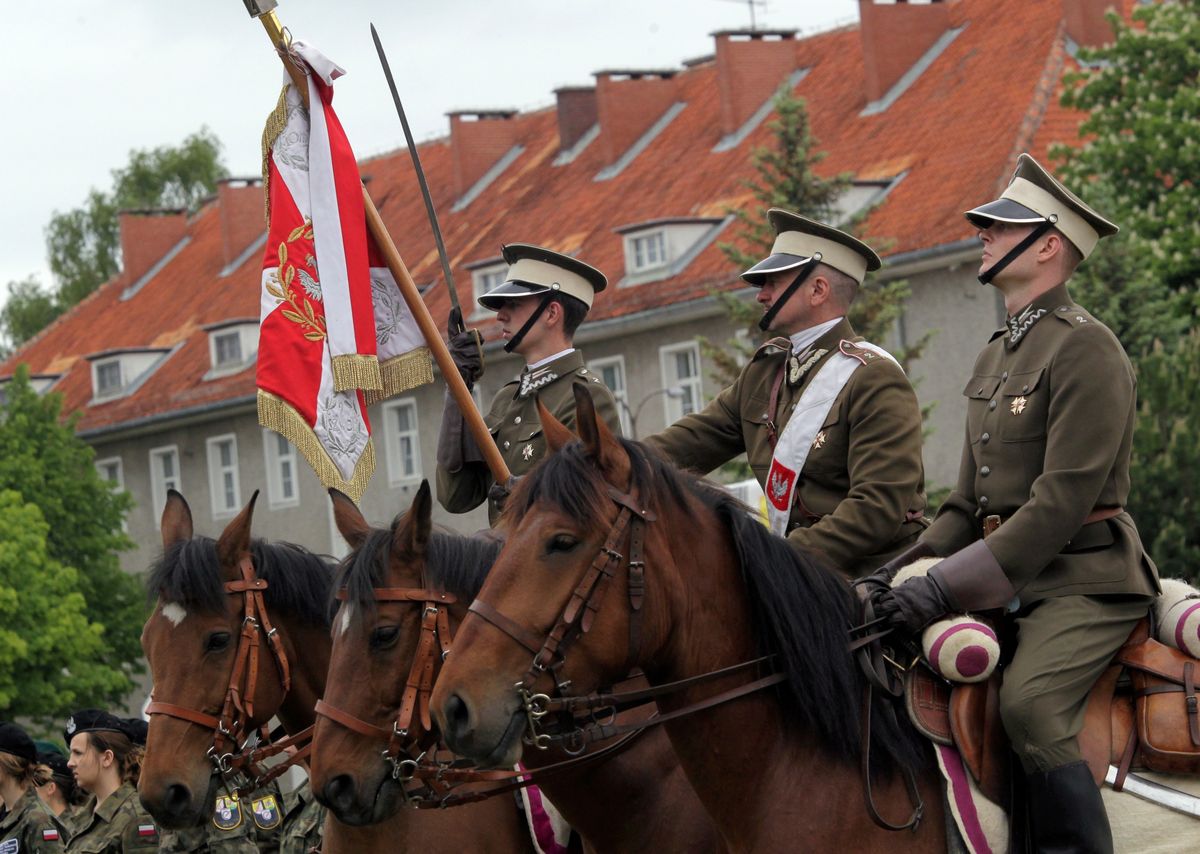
350,521
592,430
235,539
176,520
412,531
557,434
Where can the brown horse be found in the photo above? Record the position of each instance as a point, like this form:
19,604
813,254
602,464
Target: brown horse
778,770
190,642
636,800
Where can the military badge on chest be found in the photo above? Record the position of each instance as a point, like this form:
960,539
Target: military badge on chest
266,812
228,814
527,452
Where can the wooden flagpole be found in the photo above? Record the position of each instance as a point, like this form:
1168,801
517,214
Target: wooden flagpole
264,10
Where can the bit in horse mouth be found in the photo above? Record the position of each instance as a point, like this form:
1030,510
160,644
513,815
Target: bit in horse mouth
501,756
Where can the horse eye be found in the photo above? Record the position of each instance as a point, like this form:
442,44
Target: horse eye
217,641
562,543
384,636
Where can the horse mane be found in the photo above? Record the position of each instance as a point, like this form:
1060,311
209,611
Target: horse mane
298,581
800,608
453,563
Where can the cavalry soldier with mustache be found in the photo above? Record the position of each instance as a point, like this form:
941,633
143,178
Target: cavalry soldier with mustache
829,422
1044,475
541,303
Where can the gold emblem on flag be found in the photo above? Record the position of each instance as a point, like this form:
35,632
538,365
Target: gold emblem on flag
1018,405
279,285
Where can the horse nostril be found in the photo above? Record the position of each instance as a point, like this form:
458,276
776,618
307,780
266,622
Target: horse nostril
339,793
176,799
458,717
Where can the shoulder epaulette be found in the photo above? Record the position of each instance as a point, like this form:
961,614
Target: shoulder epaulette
1072,315
771,347
854,351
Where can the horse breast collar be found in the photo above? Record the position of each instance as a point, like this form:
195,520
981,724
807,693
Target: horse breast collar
229,729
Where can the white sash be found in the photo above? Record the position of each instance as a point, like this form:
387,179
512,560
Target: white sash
794,445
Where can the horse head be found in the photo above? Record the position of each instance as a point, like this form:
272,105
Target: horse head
555,611
223,655
374,645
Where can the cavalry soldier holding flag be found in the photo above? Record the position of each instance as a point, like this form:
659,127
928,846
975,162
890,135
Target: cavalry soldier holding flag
829,422
1044,475
541,303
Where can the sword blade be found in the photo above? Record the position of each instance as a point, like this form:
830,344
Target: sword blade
1148,790
416,159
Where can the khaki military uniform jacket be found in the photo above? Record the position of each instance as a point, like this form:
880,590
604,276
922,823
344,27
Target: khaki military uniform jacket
515,426
861,494
118,825
29,826
1050,420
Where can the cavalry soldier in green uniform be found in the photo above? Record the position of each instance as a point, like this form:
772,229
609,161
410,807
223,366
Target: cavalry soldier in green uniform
829,423
539,306
303,822
1050,415
106,763
27,825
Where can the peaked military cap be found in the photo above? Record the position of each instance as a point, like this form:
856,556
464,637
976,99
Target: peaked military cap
536,270
16,741
1034,196
94,720
799,240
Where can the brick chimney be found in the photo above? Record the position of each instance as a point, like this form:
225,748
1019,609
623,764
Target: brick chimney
628,103
895,34
751,64
478,138
577,113
1085,21
240,201
146,236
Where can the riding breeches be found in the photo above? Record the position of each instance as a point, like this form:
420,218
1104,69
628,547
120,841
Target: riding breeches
1064,645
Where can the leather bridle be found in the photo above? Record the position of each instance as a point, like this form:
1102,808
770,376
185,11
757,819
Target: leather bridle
411,734
230,728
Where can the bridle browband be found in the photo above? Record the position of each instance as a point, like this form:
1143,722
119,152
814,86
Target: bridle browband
229,727
411,734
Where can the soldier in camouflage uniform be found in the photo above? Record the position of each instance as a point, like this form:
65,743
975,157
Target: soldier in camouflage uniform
60,794
27,825
303,821
539,306
829,423
106,763
1045,473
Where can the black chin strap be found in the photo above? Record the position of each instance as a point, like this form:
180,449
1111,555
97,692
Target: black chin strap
985,278
801,275
515,341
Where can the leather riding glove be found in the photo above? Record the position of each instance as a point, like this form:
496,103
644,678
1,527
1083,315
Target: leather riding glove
466,348
913,605
881,579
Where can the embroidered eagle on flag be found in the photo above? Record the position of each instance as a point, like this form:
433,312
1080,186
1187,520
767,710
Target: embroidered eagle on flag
335,334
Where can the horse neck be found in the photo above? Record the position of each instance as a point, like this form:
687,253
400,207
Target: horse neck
308,648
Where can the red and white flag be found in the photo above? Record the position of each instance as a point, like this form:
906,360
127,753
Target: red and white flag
334,333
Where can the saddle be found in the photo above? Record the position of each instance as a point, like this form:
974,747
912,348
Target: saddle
1142,713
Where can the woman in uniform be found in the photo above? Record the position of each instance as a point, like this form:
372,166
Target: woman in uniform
27,825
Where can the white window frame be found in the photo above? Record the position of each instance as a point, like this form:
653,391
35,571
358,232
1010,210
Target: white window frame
216,472
214,340
99,365
673,406
274,463
658,236
392,438
118,481
158,486
597,366
483,279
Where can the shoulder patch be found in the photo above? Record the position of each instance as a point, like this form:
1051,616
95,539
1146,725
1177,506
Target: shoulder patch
50,834
1072,315
771,348
10,846
147,832
851,349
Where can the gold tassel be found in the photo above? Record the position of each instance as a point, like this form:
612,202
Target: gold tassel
403,372
276,414
276,122
356,371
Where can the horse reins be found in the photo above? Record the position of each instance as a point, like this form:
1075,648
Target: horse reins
229,727
411,733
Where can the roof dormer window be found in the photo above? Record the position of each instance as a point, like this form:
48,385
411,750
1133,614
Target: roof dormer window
661,248
227,349
232,346
107,377
116,373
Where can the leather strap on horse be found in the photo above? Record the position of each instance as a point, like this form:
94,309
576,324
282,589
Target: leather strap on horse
910,781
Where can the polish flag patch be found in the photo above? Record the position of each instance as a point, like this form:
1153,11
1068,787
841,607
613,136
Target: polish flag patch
49,835
145,830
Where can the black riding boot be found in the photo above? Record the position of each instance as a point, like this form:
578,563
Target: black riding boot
1066,813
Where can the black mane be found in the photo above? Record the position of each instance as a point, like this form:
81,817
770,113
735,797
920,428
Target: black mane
801,609
298,581
453,563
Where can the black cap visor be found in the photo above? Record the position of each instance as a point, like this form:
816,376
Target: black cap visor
512,289
1002,210
777,263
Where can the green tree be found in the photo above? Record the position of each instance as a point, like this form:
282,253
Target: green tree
53,472
1138,164
83,245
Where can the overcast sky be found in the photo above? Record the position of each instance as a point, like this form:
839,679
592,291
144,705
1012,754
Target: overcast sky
89,80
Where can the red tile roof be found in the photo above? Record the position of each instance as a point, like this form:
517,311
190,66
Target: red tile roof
955,133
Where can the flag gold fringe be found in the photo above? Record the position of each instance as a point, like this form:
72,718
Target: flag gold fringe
403,372
276,414
356,371
276,122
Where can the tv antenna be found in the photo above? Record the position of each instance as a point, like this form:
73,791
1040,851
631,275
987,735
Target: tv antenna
752,5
